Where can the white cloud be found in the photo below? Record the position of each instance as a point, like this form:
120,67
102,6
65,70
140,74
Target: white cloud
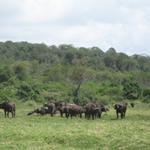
44,10
121,24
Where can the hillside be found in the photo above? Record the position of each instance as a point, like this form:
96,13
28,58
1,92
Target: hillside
39,72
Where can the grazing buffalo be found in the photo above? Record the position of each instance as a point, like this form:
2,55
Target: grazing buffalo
120,109
8,107
41,111
104,108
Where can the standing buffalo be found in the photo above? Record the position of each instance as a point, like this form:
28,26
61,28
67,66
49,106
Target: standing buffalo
8,107
60,106
69,109
73,110
120,109
92,110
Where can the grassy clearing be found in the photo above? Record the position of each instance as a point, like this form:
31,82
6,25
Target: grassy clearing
55,133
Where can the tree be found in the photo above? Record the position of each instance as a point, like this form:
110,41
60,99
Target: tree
77,77
131,89
110,59
146,94
21,69
5,74
27,91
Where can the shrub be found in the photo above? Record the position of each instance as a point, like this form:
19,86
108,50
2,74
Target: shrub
146,93
27,91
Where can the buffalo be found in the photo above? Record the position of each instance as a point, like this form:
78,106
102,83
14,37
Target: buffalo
51,108
48,108
91,110
41,111
60,106
94,110
8,107
120,109
73,110
69,109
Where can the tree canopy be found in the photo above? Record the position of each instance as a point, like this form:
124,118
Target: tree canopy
60,71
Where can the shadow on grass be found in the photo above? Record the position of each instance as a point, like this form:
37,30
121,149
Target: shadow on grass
114,119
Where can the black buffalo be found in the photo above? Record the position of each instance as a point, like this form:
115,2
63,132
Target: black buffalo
120,109
41,111
48,108
94,110
51,108
62,108
8,107
73,110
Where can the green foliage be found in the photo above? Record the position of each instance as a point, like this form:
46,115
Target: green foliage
5,74
21,69
146,93
93,57
7,93
131,89
66,72
27,91
55,73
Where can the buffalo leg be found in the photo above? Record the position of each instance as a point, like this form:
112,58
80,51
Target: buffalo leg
122,115
117,114
93,116
80,115
61,113
5,113
85,115
14,113
67,115
99,115
8,114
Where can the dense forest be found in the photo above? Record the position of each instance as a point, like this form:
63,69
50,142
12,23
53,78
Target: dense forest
37,72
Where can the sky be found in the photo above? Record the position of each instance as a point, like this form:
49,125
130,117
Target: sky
122,24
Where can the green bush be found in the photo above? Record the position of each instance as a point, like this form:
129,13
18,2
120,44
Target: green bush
27,91
146,93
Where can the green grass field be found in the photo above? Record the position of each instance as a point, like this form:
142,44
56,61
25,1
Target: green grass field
56,133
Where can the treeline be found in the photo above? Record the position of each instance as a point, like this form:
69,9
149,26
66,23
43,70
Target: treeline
40,72
93,57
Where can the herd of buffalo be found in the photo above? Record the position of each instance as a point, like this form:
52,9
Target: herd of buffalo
91,110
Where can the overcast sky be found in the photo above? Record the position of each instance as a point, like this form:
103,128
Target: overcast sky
122,24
